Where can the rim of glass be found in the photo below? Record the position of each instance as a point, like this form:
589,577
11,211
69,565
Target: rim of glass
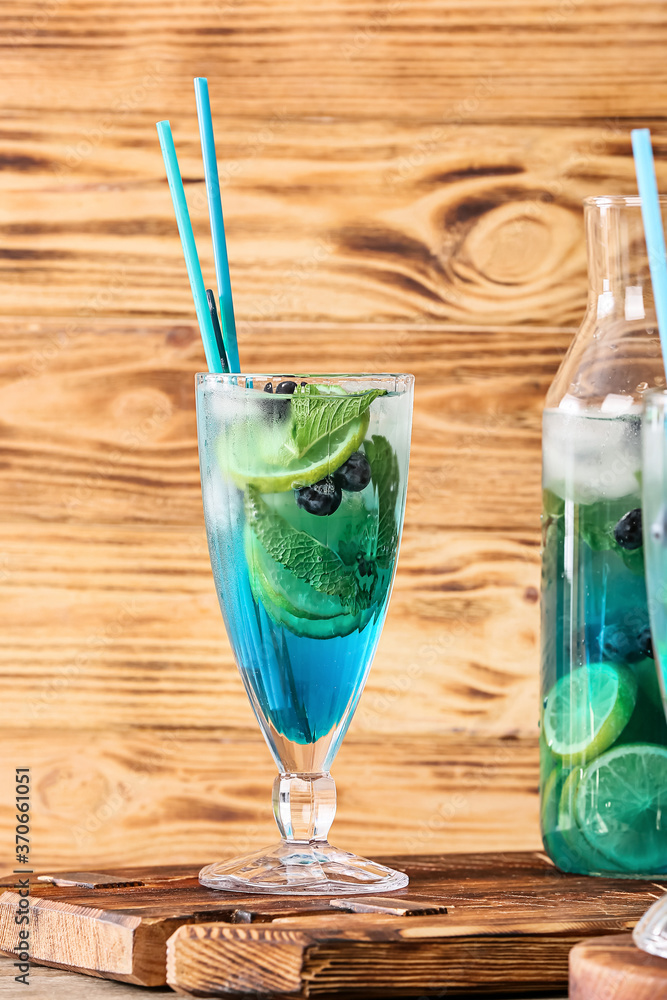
619,200
334,376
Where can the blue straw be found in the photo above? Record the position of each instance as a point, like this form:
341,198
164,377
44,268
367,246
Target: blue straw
213,310
217,222
189,247
653,231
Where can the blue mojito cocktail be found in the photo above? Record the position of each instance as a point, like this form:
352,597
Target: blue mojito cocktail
603,740
603,731
303,482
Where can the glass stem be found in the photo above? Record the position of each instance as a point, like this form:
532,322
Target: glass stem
304,806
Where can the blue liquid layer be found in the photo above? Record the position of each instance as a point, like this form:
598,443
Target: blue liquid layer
595,603
304,688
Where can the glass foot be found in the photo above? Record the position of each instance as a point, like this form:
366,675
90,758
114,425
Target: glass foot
314,869
650,934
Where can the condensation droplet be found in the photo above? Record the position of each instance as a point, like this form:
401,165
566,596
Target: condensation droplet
642,387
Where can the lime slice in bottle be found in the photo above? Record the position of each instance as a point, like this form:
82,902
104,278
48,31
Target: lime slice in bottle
577,854
250,459
621,804
587,710
554,841
551,792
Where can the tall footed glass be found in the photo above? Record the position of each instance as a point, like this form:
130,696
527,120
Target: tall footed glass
303,482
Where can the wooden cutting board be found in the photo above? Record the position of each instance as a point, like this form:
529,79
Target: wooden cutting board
613,967
511,920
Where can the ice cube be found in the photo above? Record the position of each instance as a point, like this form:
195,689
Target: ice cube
570,404
634,302
589,458
616,403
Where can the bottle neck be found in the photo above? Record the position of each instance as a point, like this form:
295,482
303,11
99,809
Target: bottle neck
615,356
619,278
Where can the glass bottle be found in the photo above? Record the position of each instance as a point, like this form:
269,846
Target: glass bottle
602,809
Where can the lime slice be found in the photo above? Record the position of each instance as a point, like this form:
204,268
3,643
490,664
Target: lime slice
250,453
275,601
551,793
577,852
309,628
293,602
285,589
554,842
621,804
587,710
296,620
547,760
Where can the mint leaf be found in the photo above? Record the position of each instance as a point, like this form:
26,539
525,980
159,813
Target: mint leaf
300,553
385,476
599,537
596,522
316,416
348,550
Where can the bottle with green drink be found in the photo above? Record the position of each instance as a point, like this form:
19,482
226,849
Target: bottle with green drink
603,731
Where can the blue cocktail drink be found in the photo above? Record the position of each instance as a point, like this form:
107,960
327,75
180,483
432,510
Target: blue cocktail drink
604,735
603,732
304,481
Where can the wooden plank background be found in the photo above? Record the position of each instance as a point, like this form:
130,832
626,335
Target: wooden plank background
402,185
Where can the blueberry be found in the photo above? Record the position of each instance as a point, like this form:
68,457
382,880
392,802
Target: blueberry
286,388
273,411
620,646
355,474
279,410
645,643
321,498
628,531
617,646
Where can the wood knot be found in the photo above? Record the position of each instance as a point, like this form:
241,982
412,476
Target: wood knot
522,242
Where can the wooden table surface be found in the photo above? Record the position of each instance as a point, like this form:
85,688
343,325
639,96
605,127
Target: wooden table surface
510,923
53,984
